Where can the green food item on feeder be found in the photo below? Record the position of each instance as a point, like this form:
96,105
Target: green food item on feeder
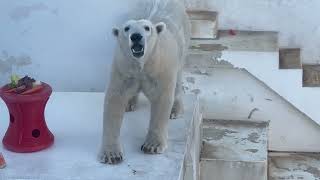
14,80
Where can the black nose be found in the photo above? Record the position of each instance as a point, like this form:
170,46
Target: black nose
136,37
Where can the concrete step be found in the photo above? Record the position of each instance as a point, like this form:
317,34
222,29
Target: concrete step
294,166
311,75
290,58
259,41
204,24
234,150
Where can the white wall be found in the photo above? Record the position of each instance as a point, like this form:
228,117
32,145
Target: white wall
296,20
69,44
66,43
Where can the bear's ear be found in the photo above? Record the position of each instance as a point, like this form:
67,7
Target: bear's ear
115,32
160,27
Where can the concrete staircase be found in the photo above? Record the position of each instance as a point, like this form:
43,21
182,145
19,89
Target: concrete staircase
241,50
241,148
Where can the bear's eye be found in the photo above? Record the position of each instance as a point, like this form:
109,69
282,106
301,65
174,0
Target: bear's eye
126,29
147,28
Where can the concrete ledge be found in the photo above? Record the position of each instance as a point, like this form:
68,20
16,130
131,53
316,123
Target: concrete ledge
311,75
290,58
258,41
294,166
234,150
192,158
76,121
204,24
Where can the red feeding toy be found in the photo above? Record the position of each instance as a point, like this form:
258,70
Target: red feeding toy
27,131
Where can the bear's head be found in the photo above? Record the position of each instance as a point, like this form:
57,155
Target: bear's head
137,38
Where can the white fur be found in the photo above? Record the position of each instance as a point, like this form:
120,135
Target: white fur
157,74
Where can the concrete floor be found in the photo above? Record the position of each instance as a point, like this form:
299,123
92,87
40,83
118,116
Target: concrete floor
75,119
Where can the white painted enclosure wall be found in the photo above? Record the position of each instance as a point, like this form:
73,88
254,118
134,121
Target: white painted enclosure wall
297,21
66,43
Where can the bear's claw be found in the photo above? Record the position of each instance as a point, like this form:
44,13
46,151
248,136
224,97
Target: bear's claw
111,157
153,146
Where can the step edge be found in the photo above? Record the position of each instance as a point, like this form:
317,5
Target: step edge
244,121
226,160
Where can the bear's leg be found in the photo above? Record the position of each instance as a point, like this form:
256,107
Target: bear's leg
156,140
177,108
132,104
111,150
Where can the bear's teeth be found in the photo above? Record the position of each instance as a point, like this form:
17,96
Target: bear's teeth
137,51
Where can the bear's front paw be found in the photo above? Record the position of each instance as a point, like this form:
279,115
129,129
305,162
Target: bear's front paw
154,146
110,156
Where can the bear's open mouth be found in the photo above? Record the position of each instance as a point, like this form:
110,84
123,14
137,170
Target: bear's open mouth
137,50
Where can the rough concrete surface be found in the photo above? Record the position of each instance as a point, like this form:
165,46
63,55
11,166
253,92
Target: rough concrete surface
234,150
204,24
234,140
289,58
259,41
294,166
311,75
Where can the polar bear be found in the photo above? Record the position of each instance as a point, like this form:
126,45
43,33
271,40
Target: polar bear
149,55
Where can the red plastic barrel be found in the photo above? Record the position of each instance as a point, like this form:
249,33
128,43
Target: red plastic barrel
27,131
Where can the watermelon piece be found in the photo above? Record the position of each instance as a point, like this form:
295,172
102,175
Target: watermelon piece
33,90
